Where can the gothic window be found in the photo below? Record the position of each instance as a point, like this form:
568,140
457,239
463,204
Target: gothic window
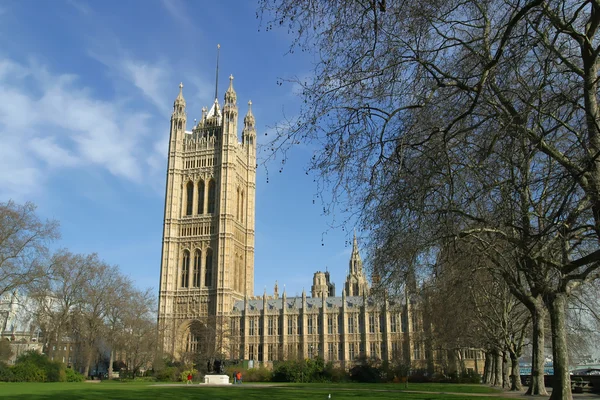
260,326
417,351
271,353
373,350
197,262
190,198
290,325
242,206
185,269
192,343
371,323
299,325
351,351
270,332
330,325
201,197
330,352
251,327
211,196
351,324
237,210
310,325
393,323
260,352
208,268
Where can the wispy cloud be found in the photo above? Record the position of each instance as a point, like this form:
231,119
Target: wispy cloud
150,79
61,125
81,6
176,9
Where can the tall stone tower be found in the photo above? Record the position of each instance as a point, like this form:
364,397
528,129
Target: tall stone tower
208,234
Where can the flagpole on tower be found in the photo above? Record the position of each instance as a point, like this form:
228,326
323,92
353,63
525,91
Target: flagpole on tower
217,77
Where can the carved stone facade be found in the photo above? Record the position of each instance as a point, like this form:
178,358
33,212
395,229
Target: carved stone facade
208,235
206,301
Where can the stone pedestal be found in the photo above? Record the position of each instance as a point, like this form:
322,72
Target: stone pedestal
216,380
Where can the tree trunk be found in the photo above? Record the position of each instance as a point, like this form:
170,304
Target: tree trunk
110,364
498,368
88,362
505,370
515,372
536,386
487,368
561,388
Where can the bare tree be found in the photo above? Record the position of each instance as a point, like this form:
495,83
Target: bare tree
101,284
139,336
57,297
23,245
417,102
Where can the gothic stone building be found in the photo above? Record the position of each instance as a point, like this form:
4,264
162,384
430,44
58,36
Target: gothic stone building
206,301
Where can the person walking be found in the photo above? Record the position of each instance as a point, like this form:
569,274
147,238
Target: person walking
239,377
234,377
189,379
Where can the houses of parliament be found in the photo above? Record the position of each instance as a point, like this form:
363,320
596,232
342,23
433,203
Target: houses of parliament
207,302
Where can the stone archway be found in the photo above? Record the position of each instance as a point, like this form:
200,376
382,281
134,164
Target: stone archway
197,343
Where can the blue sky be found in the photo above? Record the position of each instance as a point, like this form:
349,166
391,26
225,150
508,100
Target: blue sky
86,90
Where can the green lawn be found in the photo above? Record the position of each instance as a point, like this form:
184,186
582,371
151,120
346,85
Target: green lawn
118,391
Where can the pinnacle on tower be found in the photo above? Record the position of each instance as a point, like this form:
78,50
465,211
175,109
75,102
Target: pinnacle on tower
249,121
179,100
355,261
230,96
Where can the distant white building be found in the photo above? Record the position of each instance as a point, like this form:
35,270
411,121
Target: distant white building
16,324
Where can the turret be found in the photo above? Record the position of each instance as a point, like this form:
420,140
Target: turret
230,113
356,282
178,117
249,132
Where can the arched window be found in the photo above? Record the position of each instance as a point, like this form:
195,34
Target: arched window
236,277
211,196
190,198
242,206
201,197
208,268
185,269
237,210
197,262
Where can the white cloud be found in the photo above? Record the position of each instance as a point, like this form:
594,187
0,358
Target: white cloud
51,153
177,10
81,6
150,79
61,124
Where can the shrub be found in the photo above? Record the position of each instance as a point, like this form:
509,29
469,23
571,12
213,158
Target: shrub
54,371
144,379
469,377
73,376
335,374
6,374
167,374
183,374
260,374
28,372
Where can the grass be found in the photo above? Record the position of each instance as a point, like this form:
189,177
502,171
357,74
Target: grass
119,391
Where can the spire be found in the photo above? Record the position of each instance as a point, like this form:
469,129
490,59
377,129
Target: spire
179,100
217,77
230,97
249,120
230,88
355,261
